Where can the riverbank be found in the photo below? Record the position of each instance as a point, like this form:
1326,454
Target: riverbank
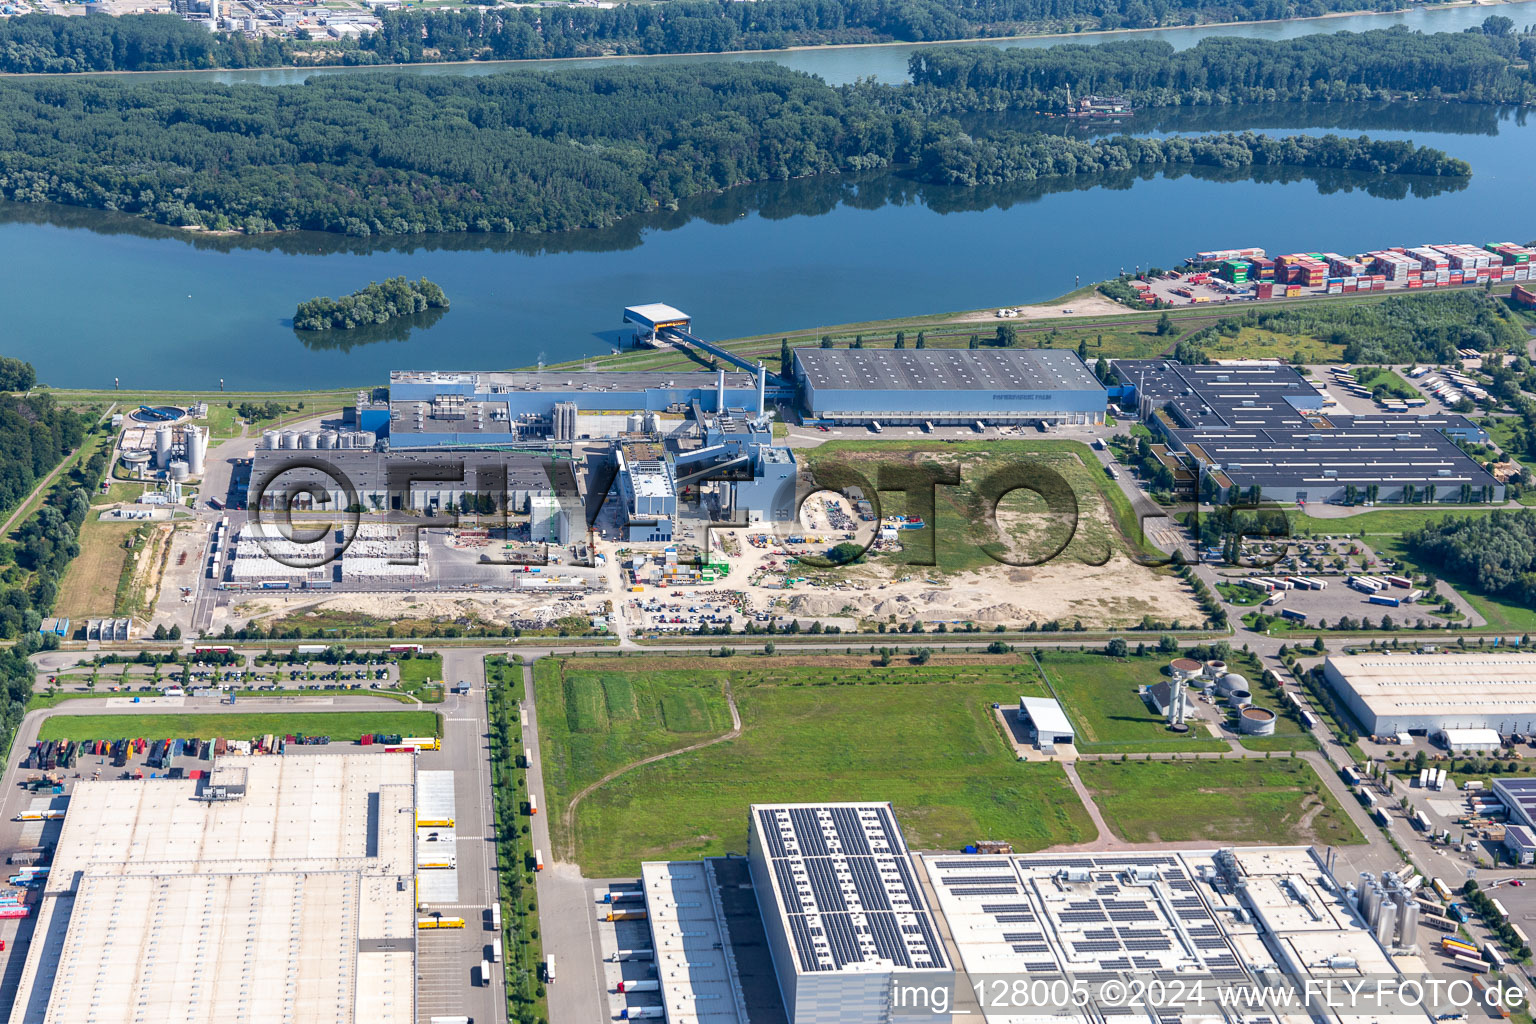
767,54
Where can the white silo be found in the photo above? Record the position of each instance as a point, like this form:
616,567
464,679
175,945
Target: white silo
365,439
653,422
328,439
634,423
162,447
177,470
290,439
197,449
309,440
271,439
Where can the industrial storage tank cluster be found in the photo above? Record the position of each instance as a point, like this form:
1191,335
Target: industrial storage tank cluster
317,440
1230,683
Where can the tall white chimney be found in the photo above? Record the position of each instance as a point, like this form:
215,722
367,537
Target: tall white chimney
720,393
762,389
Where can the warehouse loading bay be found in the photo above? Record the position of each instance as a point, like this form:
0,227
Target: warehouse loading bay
449,785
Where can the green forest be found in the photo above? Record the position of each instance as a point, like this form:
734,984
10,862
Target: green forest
1497,551
379,302
38,43
1494,65
539,152
1423,328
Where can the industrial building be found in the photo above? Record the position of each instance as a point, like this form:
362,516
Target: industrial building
947,386
1519,796
432,409
1046,723
1226,917
691,944
383,481
1258,430
845,916
1520,844
1436,693
278,890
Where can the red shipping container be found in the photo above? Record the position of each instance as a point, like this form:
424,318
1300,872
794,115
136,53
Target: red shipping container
1415,283
1377,286
366,739
1265,291
9,912
1495,273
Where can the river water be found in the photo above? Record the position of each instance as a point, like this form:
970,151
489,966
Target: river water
94,296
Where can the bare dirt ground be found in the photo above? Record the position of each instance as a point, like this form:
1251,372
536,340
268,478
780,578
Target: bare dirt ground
488,608
1088,305
1118,593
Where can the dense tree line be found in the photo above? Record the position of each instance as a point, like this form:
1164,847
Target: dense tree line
959,159
38,43
1497,551
1426,328
378,303
1492,66
35,434
16,375
534,151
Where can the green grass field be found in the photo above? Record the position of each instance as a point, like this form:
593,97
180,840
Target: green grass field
1100,696
1280,801
1389,381
340,725
924,738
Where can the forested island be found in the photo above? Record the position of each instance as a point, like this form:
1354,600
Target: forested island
542,152
378,303
1494,65
38,43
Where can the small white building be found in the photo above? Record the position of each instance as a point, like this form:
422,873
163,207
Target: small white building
1047,723
1470,741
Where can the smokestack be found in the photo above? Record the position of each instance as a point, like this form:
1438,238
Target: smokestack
720,393
762,389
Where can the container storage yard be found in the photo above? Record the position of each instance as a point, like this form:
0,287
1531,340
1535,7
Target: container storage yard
1221,275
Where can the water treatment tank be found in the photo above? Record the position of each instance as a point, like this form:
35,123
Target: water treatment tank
1239,698
197,448
178,469
1231,681
271,439
1215,669
1256,721
1183,669
162,446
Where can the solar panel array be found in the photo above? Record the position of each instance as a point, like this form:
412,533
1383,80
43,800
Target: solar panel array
846,889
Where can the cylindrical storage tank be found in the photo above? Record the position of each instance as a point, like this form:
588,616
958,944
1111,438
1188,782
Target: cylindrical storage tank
328,439
1184,669
1215,669
178,470
634,423
271,439
162,446
1239,698
653,422
1231,681
364,439
309,440
135,458
1256,721
290,439
197,449
346,439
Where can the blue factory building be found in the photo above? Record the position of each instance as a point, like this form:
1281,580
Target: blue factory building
947,386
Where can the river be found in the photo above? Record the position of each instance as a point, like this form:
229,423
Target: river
95,296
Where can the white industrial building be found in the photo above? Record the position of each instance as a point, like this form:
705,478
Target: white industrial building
1047,723
845,916
1435,693
1217,917
691,944
280,890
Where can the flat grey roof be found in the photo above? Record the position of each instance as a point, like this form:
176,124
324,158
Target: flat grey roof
369,471
945,369
844,886
495,381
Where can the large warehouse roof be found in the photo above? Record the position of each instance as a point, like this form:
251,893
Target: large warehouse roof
844,888
1451,686
288,901
945,369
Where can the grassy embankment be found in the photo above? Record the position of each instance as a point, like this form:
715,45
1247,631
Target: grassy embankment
339,725
524,951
